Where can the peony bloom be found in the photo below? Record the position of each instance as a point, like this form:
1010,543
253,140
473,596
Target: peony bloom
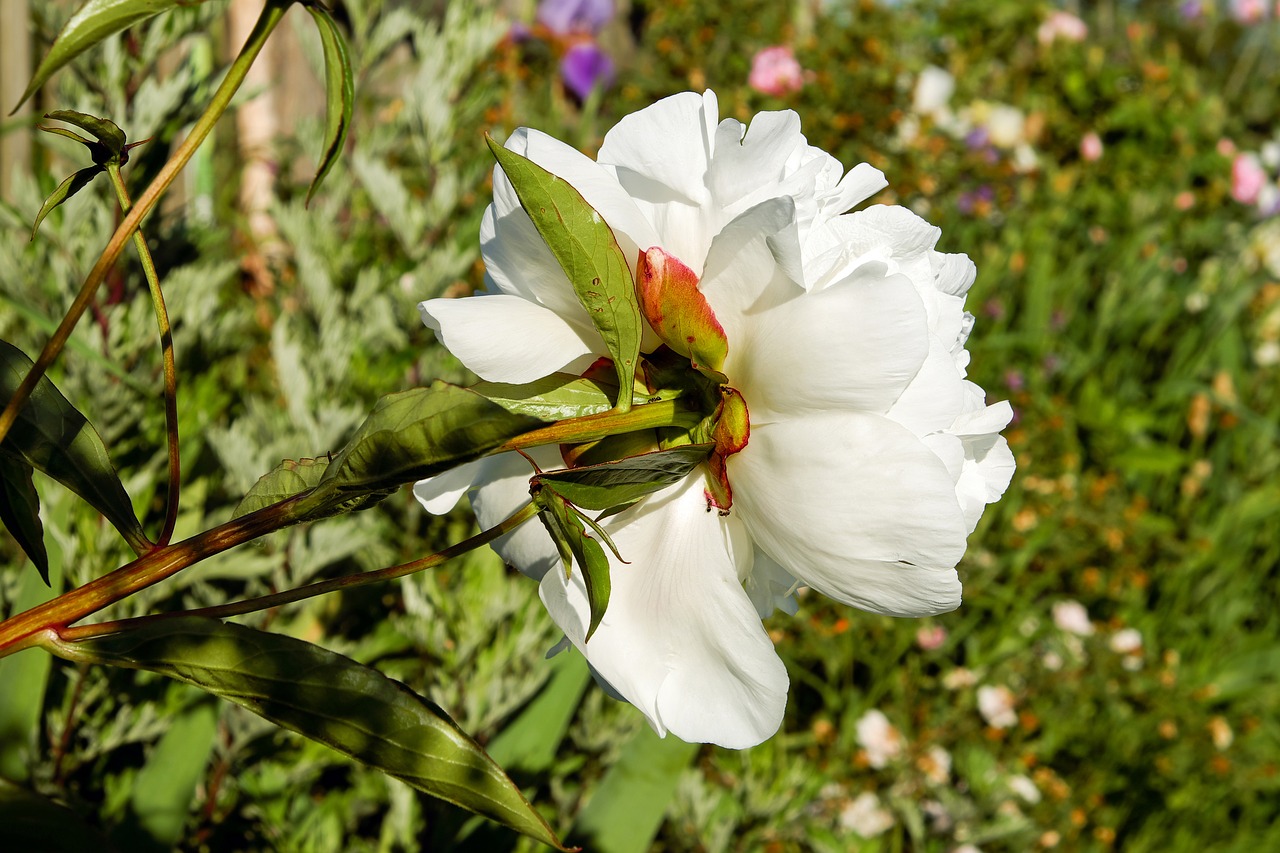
775,71
869,457
1062,25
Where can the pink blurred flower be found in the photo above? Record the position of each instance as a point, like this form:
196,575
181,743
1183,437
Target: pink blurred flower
775,71
1248,11
1062,25
1247,178
931,637
1090,146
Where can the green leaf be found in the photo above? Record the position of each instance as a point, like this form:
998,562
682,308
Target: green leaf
29,821
612,484
340,88
412,435
328,698
565,524
624,814
553,398
589,255
106,130
96,21
293,477
51,436
65,190
530,741
20,511
166,785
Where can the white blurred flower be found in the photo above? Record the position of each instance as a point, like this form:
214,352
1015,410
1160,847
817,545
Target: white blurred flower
1005,124
845,332
1024,788
936,764
1220,732
959,678
934,88
1267,354
865,816
1126,641
878,737
1070,616
996,704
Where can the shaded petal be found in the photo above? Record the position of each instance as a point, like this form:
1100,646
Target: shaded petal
441,493
935,396
749,159
505,338
669,145
856,507
853,346
680,639
502,487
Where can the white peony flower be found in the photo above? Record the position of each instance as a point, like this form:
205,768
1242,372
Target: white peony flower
869,459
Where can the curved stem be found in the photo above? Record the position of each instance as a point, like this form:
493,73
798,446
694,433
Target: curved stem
166,351
271,16
249,605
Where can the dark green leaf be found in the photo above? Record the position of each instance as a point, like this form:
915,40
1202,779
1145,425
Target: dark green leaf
51,436
552,398
64,191
106,130
329,698
20,511
412,435
166,785
293,477
625,481
340,87
29,821
96,20
589,255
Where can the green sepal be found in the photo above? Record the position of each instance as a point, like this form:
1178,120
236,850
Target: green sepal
410,436
340,94
96,21
567,526
51,436
20,511
326,697
611,484
587,251
65,190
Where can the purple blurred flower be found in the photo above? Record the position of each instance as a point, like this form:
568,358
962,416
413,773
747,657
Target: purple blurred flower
575,16
977,138
775,71
1191,10
584,67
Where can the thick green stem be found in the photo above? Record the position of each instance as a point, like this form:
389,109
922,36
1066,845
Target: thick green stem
665,413
270,17
166,354
24,630
249,605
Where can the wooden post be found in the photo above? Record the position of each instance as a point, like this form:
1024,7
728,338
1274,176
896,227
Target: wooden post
15,72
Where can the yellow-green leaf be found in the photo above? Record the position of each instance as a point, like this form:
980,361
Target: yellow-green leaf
340,91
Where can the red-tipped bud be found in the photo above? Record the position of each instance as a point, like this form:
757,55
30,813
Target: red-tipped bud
678,312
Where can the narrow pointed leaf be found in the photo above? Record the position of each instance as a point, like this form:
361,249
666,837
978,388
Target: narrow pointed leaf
20,511
626,481
328,698
106,130
51,436
570,535
589,255
96,21
65,190
414,435
341,92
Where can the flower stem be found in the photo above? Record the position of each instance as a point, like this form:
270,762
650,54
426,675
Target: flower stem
24,629
664,413
267,22
311,590
166,351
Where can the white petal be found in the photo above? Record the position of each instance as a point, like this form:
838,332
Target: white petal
680,638
988,470
935,396
508,338
862,182
440,493
955,273
502,487
853,346
856,507
664,146
746,163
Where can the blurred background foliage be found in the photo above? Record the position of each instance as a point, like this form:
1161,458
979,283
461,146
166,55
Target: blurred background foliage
1111,680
